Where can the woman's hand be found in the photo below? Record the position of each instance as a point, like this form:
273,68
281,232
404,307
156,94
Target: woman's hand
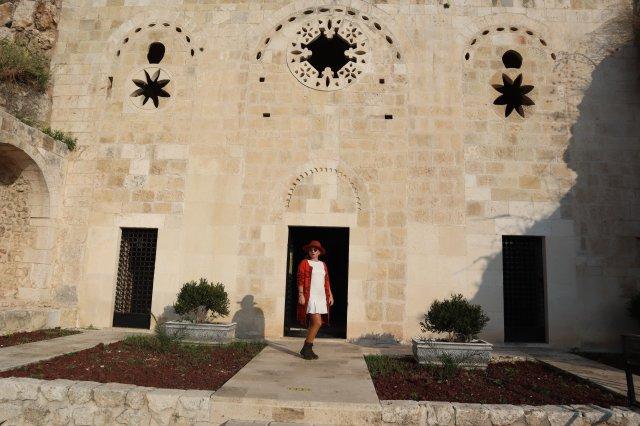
301,299
331,300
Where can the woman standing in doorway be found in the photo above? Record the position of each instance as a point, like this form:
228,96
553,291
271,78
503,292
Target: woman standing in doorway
314,295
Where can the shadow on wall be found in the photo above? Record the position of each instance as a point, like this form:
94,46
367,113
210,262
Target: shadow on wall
604,202
249,319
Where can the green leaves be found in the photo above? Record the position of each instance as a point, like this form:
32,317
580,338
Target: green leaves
19,65
197,299
457,317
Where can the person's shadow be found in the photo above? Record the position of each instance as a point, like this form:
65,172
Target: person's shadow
249,320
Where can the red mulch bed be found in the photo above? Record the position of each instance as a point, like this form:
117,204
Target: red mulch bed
519,383
34,336
143,364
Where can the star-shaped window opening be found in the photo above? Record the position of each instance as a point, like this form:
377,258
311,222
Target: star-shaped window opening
152,88
328,52
513,95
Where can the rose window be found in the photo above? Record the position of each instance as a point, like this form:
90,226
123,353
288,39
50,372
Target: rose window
328,54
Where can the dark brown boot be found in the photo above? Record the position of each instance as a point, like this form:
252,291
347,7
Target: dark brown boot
313,354
306,351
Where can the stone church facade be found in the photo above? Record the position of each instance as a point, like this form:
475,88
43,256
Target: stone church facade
435,133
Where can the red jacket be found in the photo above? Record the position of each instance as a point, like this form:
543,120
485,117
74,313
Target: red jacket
304,281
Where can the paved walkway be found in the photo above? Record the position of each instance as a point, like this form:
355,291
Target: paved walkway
608,377
19,355
278,385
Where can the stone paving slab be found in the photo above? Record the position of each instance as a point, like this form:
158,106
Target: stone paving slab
278,385
16,356
602,375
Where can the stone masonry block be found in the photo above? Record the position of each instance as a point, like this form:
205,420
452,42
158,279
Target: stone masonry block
111,394
56,390
402,412
81,392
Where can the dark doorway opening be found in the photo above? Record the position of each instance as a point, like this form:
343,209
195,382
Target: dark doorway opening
336,243
134,286
524,289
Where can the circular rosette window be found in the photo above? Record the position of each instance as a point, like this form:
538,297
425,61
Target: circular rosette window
149,88
328,53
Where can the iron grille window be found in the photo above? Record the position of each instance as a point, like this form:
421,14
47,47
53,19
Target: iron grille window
524,290
134,286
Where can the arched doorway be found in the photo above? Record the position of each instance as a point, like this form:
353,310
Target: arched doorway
26,232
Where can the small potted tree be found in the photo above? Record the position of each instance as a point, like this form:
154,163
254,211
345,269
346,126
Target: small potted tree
198,304
460,322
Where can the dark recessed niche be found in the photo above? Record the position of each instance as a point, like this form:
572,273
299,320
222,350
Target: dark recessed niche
193,52
512,59
365,17
513,29
446,5
553,56
308,12
178,29
266,114
110,83
202,49
338,10
500,29
152,25
398,55
293,18
267,41
381,81
262,79
151,88
156,53
388,117
138,29
485,32
166,24
513,95
328,53
378,26
529,32
188,39
467,56
118,53
324,10
389,40
259,55
473,41
351,12
279,27
544,43
126,40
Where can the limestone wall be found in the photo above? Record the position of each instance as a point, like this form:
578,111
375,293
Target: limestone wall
32,168
408,150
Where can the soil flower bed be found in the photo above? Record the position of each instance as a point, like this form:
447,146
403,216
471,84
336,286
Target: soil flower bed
34,336
518,383
147,361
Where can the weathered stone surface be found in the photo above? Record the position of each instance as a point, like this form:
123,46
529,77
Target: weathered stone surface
592,414
402,412
8,389
27,388
162,403
623,416
471,415
561,415
194,405
23,15
82,392
111,394
136,397
10,412
46,15
56,390
504,415
535,416
439,413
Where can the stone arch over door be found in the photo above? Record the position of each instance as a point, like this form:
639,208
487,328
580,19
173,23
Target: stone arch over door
26,228
31,176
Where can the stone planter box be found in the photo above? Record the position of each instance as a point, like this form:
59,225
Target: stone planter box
208,333
468,355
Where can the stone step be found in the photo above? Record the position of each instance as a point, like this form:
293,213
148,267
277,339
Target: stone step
271,412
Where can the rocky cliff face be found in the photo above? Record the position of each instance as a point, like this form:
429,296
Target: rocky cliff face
34,24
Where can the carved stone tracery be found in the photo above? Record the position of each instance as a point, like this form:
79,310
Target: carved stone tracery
309,39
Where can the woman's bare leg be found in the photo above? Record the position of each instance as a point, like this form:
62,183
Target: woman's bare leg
314,326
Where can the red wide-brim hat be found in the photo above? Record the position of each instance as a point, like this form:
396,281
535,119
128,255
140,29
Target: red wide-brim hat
315,244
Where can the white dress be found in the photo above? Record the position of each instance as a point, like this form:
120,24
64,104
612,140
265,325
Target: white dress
317,298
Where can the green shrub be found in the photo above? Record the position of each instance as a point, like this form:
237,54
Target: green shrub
61,136
457,317
19,65
198,299
633,307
